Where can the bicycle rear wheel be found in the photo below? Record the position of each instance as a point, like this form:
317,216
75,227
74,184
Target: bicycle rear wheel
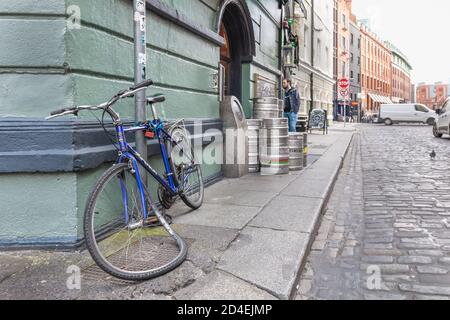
187,173
119,238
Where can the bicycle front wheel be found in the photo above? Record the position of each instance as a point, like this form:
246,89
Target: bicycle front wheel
120,239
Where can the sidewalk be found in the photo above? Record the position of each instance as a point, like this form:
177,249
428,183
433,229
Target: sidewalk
248,241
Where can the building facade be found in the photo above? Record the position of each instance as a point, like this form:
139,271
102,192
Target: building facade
432,95
376,71
355,65
314,75
60,53
401,76
413,93
343,54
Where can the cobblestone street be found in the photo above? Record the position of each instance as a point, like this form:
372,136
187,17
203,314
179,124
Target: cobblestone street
386,232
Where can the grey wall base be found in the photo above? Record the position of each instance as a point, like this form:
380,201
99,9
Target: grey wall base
34,145
70,243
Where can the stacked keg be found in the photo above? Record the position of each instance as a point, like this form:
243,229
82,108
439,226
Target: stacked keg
274,147
253,129
296,151
266,108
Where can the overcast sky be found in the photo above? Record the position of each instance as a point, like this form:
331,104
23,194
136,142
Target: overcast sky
420,29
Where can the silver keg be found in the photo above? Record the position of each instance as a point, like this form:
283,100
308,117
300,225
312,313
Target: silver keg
266,108
296,151
274,147
253,129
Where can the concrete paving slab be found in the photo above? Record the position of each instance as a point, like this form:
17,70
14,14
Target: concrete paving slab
261,185
206,244
10,264
266,258
222,286
233,196
290,214
215,215
309,188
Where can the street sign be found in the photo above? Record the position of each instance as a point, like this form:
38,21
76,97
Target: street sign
344,93
344,83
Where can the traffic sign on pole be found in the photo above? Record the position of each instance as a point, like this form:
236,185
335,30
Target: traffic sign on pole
344,93
344,83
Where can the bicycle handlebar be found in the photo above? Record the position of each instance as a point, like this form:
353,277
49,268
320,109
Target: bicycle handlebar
56,112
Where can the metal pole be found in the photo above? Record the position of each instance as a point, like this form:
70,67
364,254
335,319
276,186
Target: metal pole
140,63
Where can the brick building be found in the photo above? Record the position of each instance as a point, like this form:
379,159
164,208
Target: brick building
401,76
342,42
355,64
376,70
432,95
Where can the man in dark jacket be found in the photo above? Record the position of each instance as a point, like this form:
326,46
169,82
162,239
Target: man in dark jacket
291,104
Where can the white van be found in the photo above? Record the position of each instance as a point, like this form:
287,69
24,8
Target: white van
407,113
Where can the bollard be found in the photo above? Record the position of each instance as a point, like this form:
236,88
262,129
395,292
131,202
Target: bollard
305,150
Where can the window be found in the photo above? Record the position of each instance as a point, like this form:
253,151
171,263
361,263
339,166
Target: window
351,74
319,51
359,78
421,108
445,107
305,43
352,39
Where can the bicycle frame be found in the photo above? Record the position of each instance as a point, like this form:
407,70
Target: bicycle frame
128,153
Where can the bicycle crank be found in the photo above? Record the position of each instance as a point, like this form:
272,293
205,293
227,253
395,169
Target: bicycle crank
165,198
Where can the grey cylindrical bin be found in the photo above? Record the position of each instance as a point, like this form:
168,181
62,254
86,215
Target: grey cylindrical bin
253,129
296,151
266,108
274,147
305,150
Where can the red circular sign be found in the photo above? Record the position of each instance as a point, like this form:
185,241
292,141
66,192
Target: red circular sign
343,83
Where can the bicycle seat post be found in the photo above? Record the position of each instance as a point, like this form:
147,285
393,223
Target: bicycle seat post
155,116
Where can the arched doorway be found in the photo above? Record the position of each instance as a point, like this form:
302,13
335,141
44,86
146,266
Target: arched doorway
234,24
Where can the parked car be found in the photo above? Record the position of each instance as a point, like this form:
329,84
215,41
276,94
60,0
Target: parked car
406,113
442,125
369,118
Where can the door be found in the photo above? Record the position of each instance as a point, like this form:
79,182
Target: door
404,113
443,120
421,113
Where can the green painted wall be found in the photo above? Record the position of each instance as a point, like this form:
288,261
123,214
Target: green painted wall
44,65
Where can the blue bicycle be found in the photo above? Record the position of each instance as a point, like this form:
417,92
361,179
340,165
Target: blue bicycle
127,235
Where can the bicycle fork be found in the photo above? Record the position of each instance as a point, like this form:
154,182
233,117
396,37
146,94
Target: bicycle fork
142,197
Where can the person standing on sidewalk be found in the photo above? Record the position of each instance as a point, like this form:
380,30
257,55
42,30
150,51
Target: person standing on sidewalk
291,104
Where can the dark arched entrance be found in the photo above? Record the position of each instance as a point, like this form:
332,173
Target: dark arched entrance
234,24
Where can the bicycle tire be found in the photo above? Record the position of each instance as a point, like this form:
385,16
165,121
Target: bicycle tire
190,203
92,245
